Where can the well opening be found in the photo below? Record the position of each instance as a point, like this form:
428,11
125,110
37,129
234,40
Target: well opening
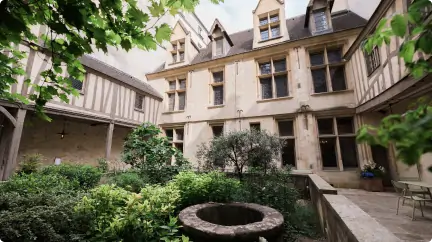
229,215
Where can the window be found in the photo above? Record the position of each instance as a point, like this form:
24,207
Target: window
217,86
177,94
176,138
320,19
139,101
269,26
217,129
219,46
328,70
372,59
178,51
199,30
273,78
337,142
286,132
255,126
76,84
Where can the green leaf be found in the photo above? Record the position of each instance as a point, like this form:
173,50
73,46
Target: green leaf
147,41
381,25
163,32
399,25
407,51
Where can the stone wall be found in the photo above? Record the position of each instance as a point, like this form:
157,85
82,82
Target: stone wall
341,220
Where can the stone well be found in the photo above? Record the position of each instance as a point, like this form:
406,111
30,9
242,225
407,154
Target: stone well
240,222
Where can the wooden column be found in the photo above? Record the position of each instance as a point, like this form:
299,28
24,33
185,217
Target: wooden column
15,143
110,131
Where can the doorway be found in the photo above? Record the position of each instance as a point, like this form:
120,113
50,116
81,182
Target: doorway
381,158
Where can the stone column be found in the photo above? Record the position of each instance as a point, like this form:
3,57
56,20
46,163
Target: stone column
110,131
15,143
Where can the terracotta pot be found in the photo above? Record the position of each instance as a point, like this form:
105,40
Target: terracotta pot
372,184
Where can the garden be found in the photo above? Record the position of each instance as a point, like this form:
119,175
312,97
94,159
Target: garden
83,203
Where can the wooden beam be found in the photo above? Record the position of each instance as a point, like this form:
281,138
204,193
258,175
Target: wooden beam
110,131
15,143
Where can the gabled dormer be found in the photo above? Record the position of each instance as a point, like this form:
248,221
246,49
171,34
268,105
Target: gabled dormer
220,40
182,48
269,23
318,16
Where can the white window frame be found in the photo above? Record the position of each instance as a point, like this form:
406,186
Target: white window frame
272,75
269,25
213,84
176,92
178,48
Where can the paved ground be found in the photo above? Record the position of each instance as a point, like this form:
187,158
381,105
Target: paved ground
382,207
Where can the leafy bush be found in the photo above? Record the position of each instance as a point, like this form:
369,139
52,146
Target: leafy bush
87,176
30,163
117,214
201,188
103,164
152,154
129,180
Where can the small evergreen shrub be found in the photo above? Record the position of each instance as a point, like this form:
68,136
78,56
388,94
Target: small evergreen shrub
129,180
87,176
30,163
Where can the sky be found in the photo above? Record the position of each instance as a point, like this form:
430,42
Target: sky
236,15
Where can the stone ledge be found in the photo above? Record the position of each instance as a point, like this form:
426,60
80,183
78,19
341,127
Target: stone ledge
363,227
322,186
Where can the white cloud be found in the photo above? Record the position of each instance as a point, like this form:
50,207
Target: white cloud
236,15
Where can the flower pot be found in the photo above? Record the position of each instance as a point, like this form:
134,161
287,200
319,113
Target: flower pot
372,184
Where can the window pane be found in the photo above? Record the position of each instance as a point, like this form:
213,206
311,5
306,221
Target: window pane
179,146
182,45
320,21
348,152
181,56
279,65
219,46
169,133
337,75
334,56
328,152
139,101
281,86
264,34
274,18
182,101
263,21
182,83
179,134
171,102
288,153
265,68
76,84
174,57
218,76
275,31
172,85
174,46
317,58
325,126
217,130
319,80
218,95
286,128
345,125
255,126
266,88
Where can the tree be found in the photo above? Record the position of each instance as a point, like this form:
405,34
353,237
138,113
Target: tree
241,149
73,27
151,154
411,132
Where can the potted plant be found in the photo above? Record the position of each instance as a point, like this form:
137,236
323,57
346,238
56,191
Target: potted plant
371,177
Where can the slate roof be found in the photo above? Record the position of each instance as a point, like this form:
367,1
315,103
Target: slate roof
119,75
243,41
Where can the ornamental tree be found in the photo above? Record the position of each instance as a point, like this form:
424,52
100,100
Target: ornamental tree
73,28
411,132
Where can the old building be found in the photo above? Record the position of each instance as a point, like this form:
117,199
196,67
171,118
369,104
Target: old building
304,78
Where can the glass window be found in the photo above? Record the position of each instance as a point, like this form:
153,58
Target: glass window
334,74
218,95
219,46
348,151
182,83
181,56
337,76
76,84
179,146
274,18
325,126
179,134
171,101
285,128
182,100
266,88
345,125
265,68
320,20
174,56
275,31
139,100
279,65
169,134
328,152
218,76
217,130
317,59
319,80
288,153
255,126
172,85
263,21
334,56
264,34
281,85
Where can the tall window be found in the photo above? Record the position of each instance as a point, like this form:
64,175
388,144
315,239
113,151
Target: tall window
269,25
286,132
337,142
255,126
76,84
177,94
139,101
217,129
218,87
372,59
176,138
273,77
320,20
219,46
328,70
178,50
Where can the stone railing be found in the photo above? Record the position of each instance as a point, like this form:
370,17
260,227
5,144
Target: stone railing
341,220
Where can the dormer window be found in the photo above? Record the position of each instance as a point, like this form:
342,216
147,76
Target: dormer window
269,26
219,46
178,51
220,40
320,19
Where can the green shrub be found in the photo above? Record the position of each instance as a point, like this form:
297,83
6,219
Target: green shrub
87,176
201,188
103,164
30,163
117,214
130,181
